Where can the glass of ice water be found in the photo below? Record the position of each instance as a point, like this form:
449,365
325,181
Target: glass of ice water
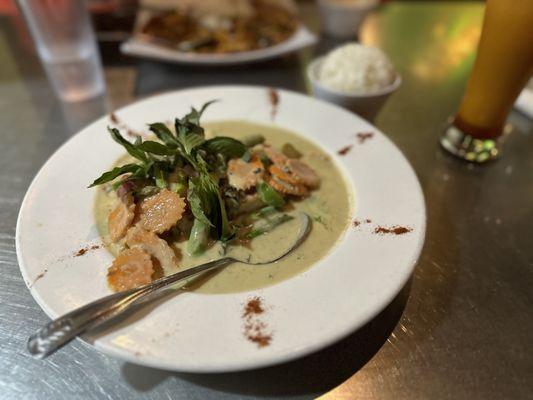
65,41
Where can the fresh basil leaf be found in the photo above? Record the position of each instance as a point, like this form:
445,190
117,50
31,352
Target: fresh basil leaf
130,147
184,127
226,231
196,201
269,196
164,134
114,173
212,203
228,147
189,141
156,148
195,115
190,123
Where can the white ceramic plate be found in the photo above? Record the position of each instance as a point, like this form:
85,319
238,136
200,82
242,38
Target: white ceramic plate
302,38
204,333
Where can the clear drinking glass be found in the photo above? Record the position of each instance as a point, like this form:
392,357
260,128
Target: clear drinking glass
65,41
503,65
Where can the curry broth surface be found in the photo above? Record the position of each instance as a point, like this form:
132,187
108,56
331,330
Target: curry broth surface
328,206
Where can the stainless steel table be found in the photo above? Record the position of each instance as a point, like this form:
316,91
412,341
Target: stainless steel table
461,329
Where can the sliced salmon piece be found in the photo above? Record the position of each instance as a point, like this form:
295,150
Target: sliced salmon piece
132,268
137,237
160,212
120,219
244,175
286,187
302,172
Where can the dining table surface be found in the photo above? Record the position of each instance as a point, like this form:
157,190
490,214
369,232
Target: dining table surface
462,326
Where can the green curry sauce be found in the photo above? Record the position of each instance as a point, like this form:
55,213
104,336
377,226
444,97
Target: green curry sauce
329,207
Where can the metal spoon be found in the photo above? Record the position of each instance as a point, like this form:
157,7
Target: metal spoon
62,330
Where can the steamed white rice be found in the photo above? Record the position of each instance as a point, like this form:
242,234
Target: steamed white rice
356,69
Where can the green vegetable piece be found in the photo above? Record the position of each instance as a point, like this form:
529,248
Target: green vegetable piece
160,177
198,238
252,140
290,151
247,156
178,187
269,196
147,191
268,225
114,173
263,212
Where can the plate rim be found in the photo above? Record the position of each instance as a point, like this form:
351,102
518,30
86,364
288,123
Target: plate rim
127,356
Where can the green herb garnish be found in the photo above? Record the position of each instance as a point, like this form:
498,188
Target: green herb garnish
186,145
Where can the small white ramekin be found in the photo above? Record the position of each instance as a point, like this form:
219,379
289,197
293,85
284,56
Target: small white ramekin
343,20
365,105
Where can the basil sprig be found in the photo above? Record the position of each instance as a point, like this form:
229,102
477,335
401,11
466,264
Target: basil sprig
184,145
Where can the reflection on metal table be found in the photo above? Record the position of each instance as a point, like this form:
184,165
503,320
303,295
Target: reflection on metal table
460,329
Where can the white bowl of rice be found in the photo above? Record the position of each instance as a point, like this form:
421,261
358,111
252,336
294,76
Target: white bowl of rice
359,78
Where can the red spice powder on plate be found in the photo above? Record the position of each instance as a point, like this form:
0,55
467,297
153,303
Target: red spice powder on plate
254,328
273,97
364,136
84,250
395,230
255,334
253,306
345,150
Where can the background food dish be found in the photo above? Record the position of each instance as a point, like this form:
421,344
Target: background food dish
218,32
222,26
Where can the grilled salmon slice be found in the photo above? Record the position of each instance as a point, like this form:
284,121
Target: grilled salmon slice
132,268
138,237
160,212
244,175
120,219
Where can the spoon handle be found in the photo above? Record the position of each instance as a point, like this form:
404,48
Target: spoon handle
62,330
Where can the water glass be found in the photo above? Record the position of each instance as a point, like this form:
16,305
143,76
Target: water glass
66,44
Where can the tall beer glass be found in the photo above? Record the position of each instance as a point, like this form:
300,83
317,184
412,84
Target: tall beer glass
503,65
